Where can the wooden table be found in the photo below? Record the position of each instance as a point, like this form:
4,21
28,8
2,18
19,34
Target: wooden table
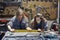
26,30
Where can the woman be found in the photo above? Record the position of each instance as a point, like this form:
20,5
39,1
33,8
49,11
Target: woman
39,22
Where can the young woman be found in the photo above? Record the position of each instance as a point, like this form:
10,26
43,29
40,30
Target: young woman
39,23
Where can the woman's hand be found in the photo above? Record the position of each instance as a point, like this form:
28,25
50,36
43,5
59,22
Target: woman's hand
9,27
12,30
28,28
39,29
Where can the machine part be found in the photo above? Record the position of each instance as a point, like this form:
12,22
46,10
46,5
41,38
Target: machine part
47,16
55,4
34,4
2,7
10,10
38,9
28,36
46,11
1,36
30,14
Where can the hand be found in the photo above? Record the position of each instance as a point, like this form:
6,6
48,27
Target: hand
28,28
52,29
39,29
12,30
9,27
48,30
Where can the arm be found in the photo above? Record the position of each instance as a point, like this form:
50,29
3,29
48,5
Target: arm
27,24
9,27
10,23
45,23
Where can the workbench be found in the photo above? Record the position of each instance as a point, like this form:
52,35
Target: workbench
30,35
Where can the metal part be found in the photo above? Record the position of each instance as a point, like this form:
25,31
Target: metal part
28,36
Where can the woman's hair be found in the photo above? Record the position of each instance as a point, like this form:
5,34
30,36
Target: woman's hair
19,12
35,22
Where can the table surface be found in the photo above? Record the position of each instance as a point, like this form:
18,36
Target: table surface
26,30
24,34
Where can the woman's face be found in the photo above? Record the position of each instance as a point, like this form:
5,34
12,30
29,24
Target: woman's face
20,17
38,19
